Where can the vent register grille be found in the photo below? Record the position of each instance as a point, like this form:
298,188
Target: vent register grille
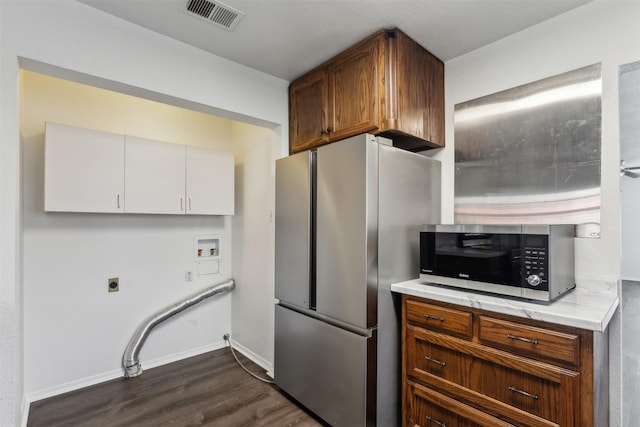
215,12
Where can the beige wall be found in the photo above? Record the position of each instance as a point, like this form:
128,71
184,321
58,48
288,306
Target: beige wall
57,100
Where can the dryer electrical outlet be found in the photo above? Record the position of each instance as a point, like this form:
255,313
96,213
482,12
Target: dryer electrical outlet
113,284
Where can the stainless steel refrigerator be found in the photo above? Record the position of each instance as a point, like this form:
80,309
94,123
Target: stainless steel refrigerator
348,218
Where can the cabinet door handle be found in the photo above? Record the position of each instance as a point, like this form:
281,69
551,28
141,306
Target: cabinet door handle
118,200
522,392
430,317
523,339
329,129
439,362
181,203
433,420
323,131
189,203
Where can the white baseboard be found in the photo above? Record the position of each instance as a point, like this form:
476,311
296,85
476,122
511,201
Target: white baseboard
24,413
72,385
260,361
183,355
110,375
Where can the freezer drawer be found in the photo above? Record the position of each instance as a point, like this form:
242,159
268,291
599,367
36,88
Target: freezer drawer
325,368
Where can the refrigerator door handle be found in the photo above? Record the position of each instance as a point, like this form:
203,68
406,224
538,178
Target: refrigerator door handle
337,323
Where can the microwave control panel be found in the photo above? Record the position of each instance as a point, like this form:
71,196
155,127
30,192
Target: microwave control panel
535,263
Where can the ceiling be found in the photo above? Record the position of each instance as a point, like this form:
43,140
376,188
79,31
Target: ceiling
286,38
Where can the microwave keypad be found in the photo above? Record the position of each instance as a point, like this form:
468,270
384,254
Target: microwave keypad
535,264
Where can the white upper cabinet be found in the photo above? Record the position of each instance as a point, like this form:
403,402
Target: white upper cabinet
93,171
84,170
210,182
154,176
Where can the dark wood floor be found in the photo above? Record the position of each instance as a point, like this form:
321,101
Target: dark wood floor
210,389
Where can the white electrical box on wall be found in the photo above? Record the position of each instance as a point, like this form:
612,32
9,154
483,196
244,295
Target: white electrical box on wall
206,254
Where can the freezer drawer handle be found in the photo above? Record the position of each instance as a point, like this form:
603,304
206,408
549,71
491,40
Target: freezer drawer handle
524,393
433,420
530,341
429,317
431,359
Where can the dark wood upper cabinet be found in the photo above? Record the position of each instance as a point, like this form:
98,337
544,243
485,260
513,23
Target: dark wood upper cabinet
308,106
353,91
387,85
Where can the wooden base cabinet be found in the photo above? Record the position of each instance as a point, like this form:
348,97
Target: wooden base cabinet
387,85
470,367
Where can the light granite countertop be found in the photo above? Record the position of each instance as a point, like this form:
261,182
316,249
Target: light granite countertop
589,306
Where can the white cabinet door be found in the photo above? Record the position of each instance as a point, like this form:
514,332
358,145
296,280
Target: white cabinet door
154,177
84,170
210,182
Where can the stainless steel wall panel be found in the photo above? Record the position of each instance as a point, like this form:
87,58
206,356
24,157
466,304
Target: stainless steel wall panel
531,153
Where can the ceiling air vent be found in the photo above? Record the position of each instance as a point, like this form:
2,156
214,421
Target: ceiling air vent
215,12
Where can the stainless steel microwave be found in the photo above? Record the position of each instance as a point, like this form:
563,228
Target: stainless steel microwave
527,261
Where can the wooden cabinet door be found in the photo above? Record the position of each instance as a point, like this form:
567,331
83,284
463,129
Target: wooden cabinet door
308,111
415,100
210,182
154,177
84,170
353,91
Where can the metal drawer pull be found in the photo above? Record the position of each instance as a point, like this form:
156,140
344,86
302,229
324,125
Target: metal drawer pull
524,393
428,316
433,420
530,341
431,359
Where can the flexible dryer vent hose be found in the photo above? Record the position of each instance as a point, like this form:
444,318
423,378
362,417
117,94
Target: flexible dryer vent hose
130,359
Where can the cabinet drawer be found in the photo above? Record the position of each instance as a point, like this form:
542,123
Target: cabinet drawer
428,408
441,319
541,344
533,394
424,357
511,387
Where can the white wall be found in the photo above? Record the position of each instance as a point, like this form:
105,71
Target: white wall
68,257
253,243
606,32
630,206
77,42
630,187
